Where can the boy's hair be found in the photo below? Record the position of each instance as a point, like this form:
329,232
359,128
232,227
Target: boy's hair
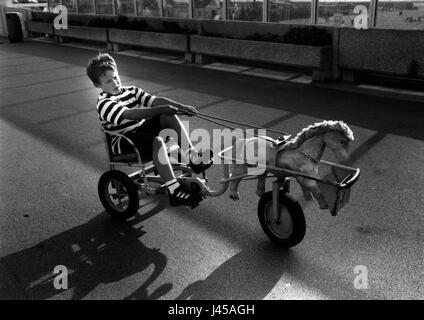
98,66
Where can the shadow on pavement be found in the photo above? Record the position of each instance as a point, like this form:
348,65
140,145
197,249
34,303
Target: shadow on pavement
312,276
98,252
256,270
249,275
253,273
364,148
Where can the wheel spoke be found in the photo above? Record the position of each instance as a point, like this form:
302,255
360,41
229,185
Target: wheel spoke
282,227
286,229
118,194
117,197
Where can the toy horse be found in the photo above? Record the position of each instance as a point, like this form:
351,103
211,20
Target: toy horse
301,154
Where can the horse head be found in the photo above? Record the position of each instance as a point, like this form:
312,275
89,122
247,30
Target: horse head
313,139
338,139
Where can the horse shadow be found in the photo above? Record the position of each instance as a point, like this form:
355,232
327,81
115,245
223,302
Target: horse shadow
256,274
249,275
98,252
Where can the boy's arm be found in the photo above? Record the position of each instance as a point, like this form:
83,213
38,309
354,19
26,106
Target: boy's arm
138,114
160,101
152,102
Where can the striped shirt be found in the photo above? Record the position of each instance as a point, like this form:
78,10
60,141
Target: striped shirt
111,107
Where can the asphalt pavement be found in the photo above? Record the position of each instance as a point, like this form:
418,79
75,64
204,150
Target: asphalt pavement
52,156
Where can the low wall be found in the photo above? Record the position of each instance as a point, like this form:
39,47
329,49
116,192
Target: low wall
3,24
393,52
39,27
24,15
277,53
84,33
242,29
45,16
192,25
175,42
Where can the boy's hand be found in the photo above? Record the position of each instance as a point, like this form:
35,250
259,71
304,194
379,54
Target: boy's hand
170,110
188,110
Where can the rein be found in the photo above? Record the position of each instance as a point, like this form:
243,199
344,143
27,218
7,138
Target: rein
219,121
214,119
307,155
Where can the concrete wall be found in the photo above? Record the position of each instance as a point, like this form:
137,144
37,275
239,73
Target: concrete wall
186,24
152,22
176,42
85,33
24,15
278,53
39,27
3,26
242,29
395,52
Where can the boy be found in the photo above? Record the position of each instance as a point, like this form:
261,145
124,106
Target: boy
131,111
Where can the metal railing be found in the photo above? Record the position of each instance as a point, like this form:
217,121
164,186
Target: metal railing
224,5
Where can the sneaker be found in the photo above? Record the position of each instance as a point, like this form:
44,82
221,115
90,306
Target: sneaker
182,197
202,166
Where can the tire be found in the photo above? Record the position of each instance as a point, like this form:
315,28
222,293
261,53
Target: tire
112,201
292,227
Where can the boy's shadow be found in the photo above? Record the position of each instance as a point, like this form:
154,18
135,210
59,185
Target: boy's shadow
249,275
97,252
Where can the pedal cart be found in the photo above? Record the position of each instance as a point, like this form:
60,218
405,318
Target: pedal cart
280,215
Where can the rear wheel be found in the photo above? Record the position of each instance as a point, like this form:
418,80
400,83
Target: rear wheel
118,194
289,229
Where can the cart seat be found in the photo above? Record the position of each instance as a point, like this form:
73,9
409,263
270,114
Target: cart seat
131,157
124,158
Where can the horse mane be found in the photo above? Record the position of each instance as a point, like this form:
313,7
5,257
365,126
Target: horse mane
317,129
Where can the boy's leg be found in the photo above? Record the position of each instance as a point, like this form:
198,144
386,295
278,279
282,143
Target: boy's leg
178,196
173,122
148,143
159,159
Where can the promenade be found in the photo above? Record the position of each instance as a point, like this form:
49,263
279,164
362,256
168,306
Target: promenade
52,155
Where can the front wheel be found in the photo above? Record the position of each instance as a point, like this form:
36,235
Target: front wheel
118,194
289,229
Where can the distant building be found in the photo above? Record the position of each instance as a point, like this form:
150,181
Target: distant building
419,5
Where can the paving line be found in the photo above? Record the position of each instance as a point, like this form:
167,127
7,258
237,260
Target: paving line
394,90
226,67
304,79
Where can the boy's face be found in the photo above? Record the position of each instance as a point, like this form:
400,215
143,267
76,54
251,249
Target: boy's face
110,82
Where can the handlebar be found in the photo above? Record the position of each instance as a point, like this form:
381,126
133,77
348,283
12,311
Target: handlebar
350,179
